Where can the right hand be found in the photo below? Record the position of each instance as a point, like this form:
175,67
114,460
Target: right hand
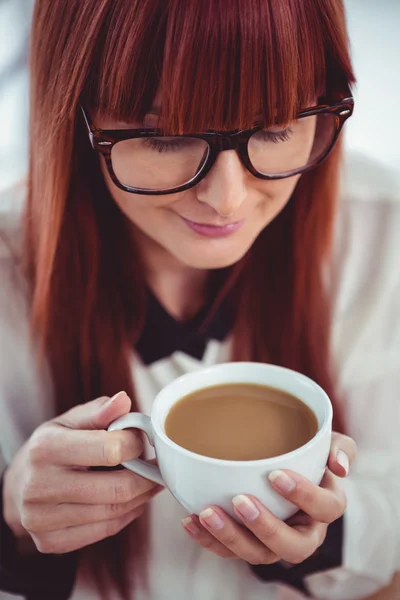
50,493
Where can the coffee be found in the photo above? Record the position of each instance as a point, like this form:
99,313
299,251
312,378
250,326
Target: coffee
240,422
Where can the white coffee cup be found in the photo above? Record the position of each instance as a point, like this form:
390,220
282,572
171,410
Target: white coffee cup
199,481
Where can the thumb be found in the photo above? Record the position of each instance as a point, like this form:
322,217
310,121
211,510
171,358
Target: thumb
97,414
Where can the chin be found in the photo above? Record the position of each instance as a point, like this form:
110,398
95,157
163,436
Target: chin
213,259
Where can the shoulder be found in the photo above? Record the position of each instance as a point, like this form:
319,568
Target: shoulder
366,278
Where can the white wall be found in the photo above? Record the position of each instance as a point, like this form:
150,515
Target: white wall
375,38
14,30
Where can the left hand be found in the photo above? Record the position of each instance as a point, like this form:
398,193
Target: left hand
265,539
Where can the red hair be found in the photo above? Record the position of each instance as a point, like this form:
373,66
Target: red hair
218,64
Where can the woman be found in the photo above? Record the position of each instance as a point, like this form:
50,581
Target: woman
180,208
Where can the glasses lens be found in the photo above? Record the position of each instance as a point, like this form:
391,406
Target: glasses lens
302,143
158,163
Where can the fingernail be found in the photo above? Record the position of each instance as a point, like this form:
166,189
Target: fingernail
213,520
282,481
245,507
111,401
343,460
191,526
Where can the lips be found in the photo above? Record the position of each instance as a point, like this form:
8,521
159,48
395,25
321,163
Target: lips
213,231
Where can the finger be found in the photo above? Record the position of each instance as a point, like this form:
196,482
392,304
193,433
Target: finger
71,515
69,447
83,487
73,538
238,539
97,414
324,503
293,544
342,454
300,518
197,532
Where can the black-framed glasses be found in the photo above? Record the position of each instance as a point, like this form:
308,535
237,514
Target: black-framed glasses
145,161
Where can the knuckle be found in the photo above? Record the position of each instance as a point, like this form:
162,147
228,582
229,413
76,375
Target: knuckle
298,558
224,553
230,539
124,489
29,520
114,510
299,555
335,509
307,495
270,530
272,559
47,544
41,445
346,443
32,489
261,558
137,447
256,560
207,542
112,452
311,545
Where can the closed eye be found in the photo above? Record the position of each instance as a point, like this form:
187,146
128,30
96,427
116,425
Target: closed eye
274,136
167,144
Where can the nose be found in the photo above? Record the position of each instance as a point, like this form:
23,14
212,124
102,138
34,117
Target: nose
224,187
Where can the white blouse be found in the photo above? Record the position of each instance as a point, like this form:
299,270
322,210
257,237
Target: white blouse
366,287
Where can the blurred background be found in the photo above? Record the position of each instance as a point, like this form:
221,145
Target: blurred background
373,134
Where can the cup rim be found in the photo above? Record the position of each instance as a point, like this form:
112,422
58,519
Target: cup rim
322,431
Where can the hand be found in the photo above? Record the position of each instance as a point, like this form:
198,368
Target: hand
50,493
265,539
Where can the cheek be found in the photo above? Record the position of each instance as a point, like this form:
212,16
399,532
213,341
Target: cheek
286,189
134,206
141,209
276,194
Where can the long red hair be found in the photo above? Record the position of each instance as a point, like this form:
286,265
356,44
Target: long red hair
218,63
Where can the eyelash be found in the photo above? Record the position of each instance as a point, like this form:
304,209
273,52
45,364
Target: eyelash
176,144
276,136
165,146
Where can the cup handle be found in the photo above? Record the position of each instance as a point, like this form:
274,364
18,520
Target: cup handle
141,467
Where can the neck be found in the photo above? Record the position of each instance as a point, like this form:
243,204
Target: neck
179,288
